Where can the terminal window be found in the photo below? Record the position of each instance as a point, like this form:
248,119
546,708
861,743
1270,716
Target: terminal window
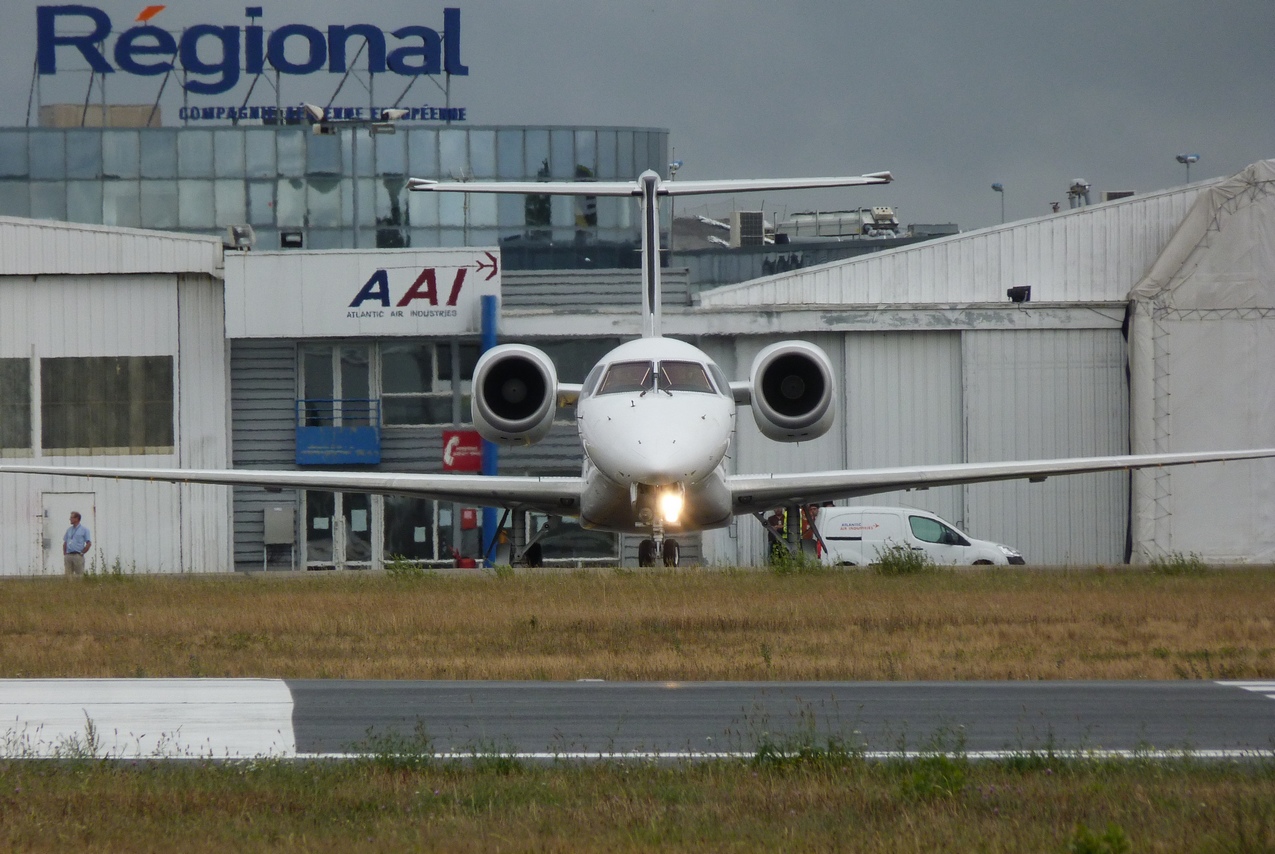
107,405
418,381
15,407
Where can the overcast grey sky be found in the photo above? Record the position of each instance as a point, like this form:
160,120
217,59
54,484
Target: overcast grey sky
950,96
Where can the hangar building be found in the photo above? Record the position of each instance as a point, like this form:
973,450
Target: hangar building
118,328
1148,330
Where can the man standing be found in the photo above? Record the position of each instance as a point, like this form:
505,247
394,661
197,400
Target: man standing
75,543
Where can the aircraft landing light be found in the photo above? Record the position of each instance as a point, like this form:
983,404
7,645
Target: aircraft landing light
671,506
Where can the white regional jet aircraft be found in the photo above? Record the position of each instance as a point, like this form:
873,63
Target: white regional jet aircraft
655,418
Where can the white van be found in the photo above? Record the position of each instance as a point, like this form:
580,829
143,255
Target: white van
854,536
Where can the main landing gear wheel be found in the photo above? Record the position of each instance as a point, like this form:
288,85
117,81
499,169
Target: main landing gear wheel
672,553
646,553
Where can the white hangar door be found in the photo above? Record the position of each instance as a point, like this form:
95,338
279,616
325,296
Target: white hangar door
57,507
1045,394
901,406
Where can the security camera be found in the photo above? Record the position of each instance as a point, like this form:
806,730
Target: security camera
314,113
393,115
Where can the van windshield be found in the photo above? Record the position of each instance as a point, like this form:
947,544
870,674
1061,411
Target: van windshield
932,531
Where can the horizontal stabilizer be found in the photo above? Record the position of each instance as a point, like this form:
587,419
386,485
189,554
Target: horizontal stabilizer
538,188
634,188
745,185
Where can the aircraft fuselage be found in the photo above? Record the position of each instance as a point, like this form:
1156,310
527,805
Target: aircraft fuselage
655,419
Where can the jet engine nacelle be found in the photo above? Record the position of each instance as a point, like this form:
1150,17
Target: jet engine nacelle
515,395
793,391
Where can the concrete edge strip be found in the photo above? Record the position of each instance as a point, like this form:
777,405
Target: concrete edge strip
145,718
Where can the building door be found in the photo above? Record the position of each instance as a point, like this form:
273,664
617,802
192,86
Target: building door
57,509
340,530
319,510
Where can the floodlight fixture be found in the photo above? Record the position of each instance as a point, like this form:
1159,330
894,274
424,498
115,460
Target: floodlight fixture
239,237
1186,160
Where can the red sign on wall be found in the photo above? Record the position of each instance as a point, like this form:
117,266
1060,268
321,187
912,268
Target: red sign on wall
462,450
468,518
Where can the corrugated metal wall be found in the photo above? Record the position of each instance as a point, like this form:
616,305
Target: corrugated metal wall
1041,395
915,398
39,247
263,393
582,290
1089,254
203,423
146,527
904,407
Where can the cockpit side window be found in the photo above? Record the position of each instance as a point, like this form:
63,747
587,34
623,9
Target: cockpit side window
591,381
628,377
719,377
684,376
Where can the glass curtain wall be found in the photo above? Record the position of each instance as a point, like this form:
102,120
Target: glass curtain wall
342,190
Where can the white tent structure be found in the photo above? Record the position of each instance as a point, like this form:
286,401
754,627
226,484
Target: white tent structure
1202,375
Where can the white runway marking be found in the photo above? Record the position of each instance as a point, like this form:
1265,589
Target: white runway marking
145,718
870,755
1261,686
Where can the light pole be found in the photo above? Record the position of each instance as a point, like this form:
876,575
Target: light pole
1186,160
1000,188
672,213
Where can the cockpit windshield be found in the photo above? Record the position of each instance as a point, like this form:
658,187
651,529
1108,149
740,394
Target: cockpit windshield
670,376
684,376
628,377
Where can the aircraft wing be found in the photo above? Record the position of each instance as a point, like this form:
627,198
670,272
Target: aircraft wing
754,492
559,496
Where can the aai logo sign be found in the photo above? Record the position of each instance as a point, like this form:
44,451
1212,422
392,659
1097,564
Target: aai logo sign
214,55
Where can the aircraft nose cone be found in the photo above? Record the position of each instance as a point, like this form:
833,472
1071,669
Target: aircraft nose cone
657,441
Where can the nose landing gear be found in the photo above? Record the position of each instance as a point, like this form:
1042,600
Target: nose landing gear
657,548
668,552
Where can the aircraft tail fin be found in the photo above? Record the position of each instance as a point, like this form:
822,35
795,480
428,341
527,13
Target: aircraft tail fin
648,189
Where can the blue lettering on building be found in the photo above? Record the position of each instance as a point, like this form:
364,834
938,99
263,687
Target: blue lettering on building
213,55
377,287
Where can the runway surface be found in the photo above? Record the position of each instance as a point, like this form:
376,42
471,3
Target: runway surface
678,718
244,718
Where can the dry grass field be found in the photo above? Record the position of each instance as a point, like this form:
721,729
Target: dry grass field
994,624
685,625
827,803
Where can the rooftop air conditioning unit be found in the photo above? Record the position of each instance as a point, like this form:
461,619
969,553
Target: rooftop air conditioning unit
746,229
